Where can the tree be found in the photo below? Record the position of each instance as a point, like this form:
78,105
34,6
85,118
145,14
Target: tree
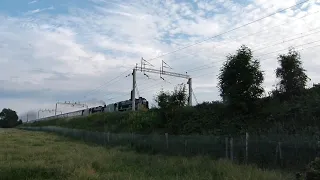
169,104
240,80
178,98
292,76
8,118
163,99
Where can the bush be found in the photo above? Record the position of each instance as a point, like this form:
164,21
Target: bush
313,170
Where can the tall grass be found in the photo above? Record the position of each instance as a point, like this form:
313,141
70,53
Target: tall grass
262,151
37,155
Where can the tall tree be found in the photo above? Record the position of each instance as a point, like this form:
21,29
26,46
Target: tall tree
8,118
162,99
292,76
240,80
178,98
169,103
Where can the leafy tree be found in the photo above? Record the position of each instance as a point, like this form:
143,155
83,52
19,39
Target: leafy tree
8,118
178,98
170,104
292,76
240,80
163,99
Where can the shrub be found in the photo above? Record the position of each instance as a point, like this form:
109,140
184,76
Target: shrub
313,170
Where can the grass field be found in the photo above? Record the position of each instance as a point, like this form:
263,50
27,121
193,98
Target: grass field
37,155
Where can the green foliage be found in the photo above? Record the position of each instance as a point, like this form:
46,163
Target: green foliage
313,170
56,157
297,151
162,99
169,104
240,80
243,109
300,115
177,98
9,118
292,76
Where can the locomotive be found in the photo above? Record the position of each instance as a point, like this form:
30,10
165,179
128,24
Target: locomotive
140,103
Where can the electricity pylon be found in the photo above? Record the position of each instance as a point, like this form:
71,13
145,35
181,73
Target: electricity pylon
143,69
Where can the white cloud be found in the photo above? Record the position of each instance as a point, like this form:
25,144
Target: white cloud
38,10
32,2
51,56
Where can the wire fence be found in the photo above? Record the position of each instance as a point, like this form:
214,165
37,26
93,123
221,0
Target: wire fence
273,151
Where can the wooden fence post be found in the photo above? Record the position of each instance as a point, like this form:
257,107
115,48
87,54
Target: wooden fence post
185,146
247,139
277,151
167,140
132,136
280,153
231,148
108,137
227,143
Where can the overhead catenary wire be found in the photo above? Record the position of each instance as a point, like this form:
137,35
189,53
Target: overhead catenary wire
281,42
248,35
259,19
117,92
209,67
206,65
318,45
201,75
194,95
108,82
150,88
228,31
260,60
264,54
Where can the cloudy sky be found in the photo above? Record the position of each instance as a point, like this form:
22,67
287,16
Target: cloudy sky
70,50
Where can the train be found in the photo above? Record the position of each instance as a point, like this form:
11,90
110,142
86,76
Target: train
140,103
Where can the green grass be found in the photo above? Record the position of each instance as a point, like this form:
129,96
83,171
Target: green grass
38,155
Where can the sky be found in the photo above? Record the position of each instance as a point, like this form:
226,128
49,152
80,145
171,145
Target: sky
83,50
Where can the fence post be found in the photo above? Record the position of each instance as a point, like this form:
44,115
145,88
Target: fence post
132,136
247,139
227,143
167,140
185,146
108,137
231,149
280,153
277,150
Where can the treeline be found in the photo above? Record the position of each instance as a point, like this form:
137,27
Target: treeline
290,108
9,118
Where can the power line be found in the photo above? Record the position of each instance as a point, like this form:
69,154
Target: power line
287,41
206,65
185,47
151,87
114,92
194,96
222,33
260,61
255,50
197,53
217,35
248,35
108,82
